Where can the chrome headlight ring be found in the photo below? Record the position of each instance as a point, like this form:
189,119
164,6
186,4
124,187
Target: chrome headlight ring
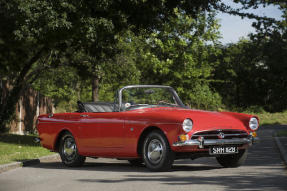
187,125
253,123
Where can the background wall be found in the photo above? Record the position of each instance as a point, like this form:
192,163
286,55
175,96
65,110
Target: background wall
30,105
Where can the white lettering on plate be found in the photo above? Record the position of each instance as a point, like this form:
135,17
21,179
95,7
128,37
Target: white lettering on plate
220,150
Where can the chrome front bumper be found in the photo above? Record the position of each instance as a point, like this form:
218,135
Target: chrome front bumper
215,142
37,140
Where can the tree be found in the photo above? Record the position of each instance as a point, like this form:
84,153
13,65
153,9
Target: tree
31,30
181,53
238,74
252,72
272,41
35,34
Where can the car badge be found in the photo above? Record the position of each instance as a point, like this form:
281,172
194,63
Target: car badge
220,135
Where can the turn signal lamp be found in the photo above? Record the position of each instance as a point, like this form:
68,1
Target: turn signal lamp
183,137
254,134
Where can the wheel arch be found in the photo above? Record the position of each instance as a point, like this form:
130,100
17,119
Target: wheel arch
144,133
58,138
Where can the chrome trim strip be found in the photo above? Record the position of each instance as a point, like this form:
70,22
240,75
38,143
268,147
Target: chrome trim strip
226,135
98,123
220,130
210,142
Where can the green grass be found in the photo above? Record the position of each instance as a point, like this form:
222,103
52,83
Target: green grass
273,118
15,148
267,118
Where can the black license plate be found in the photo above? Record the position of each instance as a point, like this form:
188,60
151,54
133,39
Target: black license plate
223,150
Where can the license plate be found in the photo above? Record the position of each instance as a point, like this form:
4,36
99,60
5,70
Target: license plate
222,150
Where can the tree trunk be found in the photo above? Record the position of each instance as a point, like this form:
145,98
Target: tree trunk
95,88
7,109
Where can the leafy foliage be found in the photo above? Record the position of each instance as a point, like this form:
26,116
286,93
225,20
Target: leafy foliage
66,48
253,72
32,31
181,55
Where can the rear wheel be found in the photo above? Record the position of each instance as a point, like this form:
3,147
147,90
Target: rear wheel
234,160
157,154
69,152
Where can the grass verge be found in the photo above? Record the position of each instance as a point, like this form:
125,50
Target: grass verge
271,118
17,148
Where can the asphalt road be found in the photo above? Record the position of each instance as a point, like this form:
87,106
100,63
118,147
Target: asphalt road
263,170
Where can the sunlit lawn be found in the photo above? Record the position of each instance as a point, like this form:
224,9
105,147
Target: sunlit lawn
15,148
273,118
266,118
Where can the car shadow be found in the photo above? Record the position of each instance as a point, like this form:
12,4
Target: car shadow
235,182
203,171
123,166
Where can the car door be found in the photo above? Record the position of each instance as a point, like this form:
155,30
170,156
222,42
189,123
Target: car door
102,132
89,133
110,127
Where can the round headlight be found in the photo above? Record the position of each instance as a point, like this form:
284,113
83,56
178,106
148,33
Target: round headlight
187,125
253,123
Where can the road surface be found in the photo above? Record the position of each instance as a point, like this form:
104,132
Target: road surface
263,170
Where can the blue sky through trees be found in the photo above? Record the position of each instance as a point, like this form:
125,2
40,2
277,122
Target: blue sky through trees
233,27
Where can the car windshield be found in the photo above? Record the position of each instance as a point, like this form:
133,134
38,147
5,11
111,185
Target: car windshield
143,97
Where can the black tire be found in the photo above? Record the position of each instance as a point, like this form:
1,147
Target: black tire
69,152
234,160
162,159
136,162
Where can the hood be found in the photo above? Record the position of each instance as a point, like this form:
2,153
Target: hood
202,120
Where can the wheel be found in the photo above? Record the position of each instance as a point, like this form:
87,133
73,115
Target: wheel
157,154
136,162
69,152
234,160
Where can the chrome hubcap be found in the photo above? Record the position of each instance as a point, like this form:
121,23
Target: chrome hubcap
70,148
155,151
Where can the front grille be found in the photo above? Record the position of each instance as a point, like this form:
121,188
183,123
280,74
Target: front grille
220,134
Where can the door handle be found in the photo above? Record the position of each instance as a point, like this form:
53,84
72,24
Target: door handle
84,115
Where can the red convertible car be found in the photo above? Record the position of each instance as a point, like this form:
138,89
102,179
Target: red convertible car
147,124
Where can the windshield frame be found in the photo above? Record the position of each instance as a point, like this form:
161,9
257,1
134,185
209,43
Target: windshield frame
120,91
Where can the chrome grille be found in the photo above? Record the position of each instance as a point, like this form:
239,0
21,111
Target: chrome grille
220,134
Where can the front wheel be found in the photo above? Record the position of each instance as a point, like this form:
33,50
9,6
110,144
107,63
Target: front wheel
157,154
234,160
69,152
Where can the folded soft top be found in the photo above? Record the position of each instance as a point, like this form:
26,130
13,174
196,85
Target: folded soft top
95,107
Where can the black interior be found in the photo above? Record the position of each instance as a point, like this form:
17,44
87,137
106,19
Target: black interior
95,107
